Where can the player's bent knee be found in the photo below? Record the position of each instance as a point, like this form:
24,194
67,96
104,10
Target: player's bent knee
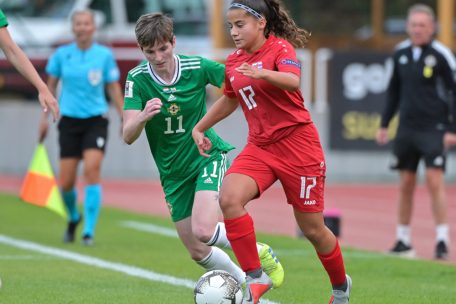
203,234
229,203
315,234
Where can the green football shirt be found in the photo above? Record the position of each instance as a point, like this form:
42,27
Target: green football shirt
3,20
184,103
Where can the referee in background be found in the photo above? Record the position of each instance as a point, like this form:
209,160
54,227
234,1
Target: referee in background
421,89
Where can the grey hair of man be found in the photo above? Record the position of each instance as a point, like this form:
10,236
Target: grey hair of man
421,8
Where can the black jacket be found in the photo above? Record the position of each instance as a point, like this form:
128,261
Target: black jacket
422,90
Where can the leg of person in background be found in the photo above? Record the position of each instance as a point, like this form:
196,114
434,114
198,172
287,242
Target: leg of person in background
329,253
403,246
436,186
210,258
68,173
93,193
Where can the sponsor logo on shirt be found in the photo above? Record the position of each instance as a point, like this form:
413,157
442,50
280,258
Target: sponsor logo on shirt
208,181
291,62
171,98
129,88
310,202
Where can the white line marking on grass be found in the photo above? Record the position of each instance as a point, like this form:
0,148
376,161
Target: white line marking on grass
23,257
83,259
96,262
150,228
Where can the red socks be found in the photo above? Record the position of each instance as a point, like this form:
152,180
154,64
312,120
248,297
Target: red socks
241,234
334,265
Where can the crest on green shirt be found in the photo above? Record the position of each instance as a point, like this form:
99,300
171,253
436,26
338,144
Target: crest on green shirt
173,109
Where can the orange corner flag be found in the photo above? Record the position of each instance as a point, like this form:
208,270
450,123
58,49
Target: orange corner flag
39,186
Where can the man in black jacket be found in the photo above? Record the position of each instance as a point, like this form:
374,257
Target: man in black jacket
421,88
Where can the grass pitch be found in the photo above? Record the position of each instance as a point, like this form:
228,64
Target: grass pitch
32,276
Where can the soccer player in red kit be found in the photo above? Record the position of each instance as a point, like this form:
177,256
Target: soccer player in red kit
263,76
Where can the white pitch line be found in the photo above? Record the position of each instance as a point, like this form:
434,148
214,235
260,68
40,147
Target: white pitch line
96,262
83,259
150,228
23,257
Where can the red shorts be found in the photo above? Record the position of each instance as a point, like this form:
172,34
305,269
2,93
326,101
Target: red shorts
297,161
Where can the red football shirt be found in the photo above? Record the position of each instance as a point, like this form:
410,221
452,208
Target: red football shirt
269,110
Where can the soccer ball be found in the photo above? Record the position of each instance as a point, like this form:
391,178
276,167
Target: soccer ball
217,287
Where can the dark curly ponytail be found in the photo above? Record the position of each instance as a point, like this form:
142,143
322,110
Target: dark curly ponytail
278,21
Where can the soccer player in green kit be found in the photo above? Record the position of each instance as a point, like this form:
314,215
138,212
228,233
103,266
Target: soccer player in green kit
166,96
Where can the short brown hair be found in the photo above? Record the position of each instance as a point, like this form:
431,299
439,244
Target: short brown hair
152,28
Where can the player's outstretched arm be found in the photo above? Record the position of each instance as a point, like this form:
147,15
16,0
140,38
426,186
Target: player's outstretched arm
222,108
20,61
